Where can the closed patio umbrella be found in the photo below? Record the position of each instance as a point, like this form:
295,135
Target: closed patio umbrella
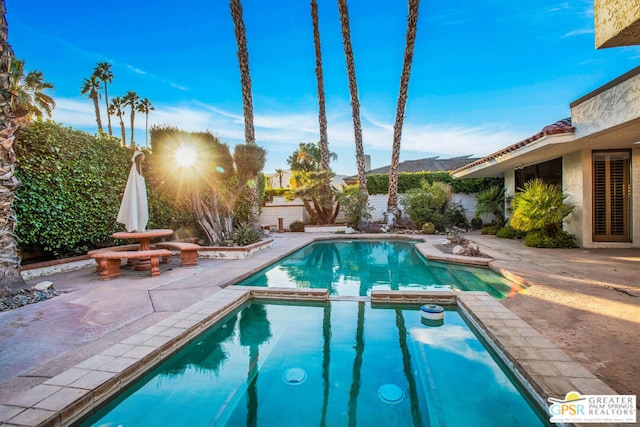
134,210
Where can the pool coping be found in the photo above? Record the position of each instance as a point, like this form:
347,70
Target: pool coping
542,368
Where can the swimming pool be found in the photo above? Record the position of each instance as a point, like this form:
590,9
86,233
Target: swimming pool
355,267
328,364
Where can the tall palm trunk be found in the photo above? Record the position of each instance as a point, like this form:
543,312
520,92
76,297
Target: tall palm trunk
96,106
325,189
322,114
123,130
412,29
245,76
106,101
133,117
10,277
247,102
146,129
353,89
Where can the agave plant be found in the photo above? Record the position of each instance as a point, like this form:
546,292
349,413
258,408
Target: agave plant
540,206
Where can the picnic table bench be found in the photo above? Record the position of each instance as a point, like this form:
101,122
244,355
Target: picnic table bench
188,252
130,261
109,261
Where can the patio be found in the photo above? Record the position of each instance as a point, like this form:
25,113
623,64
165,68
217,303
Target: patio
584,301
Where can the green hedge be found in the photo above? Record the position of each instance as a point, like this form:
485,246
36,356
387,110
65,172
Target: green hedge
72,184
379,184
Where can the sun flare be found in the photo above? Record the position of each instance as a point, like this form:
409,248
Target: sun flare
185,156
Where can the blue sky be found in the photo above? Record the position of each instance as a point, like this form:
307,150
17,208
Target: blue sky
485,74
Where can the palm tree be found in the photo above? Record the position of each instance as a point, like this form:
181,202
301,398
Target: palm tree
412,29
117,108
247,102
353,89
279,173
322,115
131,99
144,106
10,277
104,74
91,87
245,76
28,98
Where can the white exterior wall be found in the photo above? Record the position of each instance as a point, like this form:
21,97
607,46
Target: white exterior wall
574,187
280,208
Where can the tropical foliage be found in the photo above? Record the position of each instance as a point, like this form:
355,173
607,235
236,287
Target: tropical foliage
540,206
131,99
313,184
491,202
91,87
29,99
104,74
116,108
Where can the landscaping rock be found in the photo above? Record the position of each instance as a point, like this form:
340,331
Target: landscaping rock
43,286
349,230
458,250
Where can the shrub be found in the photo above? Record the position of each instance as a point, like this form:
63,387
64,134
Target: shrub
244,234
354,204
508,232
490,229
379,184
540,239
296,226
427,203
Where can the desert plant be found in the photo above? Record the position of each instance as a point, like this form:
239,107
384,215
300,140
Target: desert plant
296,226
540,206
245,234
428,228
490,230
491,202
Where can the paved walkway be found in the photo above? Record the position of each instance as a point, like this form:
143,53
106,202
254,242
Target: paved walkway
569,303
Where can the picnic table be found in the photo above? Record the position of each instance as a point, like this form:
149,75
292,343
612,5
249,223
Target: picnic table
144,238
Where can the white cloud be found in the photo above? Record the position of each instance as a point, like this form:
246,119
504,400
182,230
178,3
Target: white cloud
280,133
578,32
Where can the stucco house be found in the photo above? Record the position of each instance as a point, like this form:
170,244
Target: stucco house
594,155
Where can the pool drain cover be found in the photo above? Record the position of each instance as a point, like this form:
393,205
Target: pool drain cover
294,376
390,393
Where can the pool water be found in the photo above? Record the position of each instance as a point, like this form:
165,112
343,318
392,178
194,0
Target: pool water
340,363
356,267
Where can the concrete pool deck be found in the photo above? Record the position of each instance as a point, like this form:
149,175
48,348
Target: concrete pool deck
42,341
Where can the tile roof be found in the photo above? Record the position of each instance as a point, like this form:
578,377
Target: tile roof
559,127
429,164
